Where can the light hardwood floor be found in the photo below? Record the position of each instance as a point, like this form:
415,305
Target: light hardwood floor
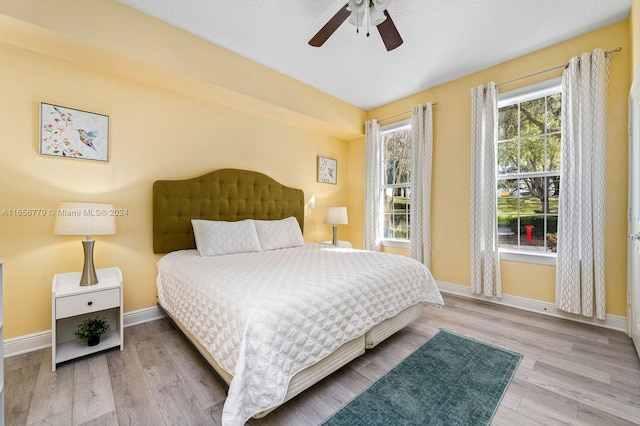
570,374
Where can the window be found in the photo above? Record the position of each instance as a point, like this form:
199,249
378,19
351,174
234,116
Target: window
528,155
396,181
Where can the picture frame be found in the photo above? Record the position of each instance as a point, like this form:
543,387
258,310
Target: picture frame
73,133
327,170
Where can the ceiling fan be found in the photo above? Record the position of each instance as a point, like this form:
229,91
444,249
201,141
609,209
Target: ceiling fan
362,13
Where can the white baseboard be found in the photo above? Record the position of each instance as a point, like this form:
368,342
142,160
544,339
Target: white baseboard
613,322
142,315
36,341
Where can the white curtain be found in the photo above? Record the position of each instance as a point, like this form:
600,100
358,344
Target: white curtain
421,171
580,285
372,186
485,259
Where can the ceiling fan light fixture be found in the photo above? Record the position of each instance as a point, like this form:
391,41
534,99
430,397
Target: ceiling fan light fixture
358,6
362,13
376,16
381,5
356,19
367,13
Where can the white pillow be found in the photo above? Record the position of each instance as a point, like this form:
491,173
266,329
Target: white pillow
214,238
276,234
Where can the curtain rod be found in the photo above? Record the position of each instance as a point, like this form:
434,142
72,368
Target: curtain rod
403,113
607,53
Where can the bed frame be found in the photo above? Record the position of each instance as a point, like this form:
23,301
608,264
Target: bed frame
232,195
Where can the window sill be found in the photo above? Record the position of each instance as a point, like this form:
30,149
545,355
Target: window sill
522,256
395,243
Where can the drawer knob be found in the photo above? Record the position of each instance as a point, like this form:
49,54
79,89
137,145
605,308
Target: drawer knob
90,303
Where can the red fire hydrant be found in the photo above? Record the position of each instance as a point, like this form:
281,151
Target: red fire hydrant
529,232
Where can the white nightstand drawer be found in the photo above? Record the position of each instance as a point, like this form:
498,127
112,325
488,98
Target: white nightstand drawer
79,304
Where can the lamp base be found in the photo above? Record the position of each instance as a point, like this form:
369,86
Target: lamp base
334,241
89,276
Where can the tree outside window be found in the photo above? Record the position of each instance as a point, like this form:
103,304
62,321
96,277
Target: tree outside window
396,183
529,170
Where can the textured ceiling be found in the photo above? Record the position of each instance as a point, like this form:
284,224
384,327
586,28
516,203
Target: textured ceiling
443,39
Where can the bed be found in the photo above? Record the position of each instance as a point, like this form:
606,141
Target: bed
271,313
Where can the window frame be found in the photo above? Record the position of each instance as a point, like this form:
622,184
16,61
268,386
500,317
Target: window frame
385,130
513,97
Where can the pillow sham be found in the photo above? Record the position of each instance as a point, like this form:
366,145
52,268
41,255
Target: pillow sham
214,238
277,234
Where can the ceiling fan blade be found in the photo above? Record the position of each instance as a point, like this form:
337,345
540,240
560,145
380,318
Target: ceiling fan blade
330,27
389,33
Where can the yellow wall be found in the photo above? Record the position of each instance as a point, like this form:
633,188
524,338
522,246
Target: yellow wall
451,166
111,36
167,121
635,35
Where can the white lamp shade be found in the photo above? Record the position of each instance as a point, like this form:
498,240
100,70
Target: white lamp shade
336,216
358,10
381,5
358,6
74,218
377,16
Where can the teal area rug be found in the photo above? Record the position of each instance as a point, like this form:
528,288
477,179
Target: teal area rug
450,380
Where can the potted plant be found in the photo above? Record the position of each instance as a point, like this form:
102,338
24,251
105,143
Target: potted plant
90,330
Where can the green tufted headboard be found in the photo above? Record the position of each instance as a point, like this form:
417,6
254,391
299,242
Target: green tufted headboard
226,194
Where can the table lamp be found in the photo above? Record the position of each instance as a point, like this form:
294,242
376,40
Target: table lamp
335,216
85,219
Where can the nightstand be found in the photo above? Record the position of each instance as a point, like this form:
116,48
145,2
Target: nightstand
341,244
71,304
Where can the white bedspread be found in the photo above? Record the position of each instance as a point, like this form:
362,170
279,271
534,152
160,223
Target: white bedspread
265,316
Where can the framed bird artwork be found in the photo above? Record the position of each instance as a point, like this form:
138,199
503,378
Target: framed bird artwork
327,170
73,133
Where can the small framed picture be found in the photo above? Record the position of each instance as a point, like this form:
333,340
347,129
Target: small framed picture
73,133
327,170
